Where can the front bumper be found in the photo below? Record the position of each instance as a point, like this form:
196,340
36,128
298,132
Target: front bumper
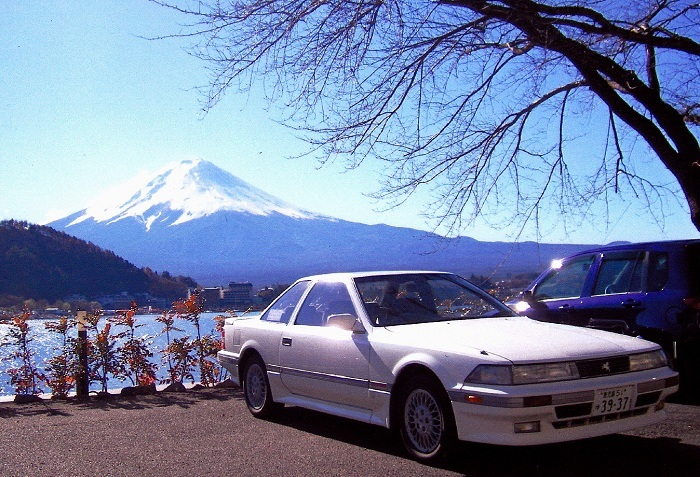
556,412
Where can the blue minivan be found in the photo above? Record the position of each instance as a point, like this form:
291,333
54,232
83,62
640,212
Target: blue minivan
650,290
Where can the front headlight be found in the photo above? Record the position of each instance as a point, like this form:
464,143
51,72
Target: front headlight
520,306
490,374
542,373
551,372
651,360
522,373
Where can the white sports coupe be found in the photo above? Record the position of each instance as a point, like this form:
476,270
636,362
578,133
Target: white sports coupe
437,359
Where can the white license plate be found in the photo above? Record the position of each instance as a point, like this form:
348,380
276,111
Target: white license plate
612,400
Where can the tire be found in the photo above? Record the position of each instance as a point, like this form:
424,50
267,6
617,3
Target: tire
256,389
427,427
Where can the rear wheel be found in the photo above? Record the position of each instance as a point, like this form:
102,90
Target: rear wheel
426,421
256,389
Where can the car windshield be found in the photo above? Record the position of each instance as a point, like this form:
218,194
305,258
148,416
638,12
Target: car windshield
421,298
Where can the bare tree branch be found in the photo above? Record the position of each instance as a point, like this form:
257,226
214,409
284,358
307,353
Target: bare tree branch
474,99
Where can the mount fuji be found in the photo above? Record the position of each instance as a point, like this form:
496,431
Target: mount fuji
196,219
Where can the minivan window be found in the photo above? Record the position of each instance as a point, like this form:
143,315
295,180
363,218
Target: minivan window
658,271
620,272
566,281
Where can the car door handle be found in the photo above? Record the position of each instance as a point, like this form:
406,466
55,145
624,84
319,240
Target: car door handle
566,308
632,304
286,342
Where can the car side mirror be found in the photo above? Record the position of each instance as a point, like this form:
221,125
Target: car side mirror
346,321
527,296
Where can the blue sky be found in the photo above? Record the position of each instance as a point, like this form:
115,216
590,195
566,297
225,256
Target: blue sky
86,103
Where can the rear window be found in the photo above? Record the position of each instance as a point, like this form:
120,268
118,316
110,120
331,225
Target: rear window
283,308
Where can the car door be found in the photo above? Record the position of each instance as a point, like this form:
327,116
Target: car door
617,295
324,362
556,297
273,322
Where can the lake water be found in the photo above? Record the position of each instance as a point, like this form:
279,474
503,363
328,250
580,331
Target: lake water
45,344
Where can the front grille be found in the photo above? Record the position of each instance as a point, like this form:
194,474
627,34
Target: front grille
573,410
592,368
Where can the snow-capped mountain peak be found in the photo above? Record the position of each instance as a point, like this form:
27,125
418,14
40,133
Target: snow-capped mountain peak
228,230
183,192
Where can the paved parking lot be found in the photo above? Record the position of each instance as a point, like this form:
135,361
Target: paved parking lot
210,432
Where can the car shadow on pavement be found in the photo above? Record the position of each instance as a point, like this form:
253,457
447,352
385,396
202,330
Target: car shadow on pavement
72,406
686,398
610,455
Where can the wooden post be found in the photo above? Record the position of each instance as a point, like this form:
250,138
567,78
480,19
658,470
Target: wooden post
82,382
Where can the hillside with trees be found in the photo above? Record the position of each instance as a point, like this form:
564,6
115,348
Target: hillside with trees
38,262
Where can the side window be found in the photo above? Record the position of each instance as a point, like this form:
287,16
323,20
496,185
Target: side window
658,271
620,273
324,299
283,308
566,281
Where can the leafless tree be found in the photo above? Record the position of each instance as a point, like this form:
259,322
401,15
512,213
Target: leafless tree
479,100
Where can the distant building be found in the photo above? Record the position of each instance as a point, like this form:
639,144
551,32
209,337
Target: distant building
212,297
118,301
145,300
123,301
237,295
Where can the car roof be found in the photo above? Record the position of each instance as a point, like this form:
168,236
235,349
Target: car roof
345,276
657,245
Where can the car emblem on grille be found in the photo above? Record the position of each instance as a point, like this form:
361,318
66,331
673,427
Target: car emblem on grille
606,367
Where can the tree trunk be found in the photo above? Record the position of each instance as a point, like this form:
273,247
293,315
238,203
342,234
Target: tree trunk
689,179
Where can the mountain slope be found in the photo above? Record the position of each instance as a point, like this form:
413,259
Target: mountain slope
198,220
41,263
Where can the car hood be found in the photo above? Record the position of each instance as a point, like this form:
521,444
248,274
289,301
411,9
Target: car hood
519,339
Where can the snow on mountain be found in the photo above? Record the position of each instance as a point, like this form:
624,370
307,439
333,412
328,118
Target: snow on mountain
183,192
195,219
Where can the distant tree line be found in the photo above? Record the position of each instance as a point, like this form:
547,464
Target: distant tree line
40,263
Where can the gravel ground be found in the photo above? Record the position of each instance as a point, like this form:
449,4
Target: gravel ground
210,432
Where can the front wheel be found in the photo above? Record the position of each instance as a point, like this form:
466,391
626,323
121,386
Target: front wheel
427,425
256,389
